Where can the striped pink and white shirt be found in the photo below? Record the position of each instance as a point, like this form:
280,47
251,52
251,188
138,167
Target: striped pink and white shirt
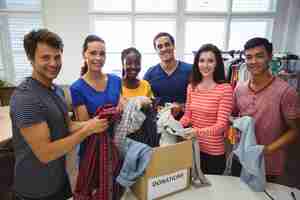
208,112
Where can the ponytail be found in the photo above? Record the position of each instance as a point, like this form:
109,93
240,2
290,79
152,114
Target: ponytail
84,69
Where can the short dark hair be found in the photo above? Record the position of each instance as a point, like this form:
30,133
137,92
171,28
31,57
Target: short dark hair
259,41
34,37
163,34
129,50
219,73
89,39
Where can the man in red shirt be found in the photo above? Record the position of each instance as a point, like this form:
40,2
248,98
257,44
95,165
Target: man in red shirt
272,103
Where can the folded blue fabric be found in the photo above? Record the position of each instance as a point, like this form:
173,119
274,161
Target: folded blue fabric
137,158
250,155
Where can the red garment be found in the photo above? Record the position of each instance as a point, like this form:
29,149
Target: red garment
234,75
100,164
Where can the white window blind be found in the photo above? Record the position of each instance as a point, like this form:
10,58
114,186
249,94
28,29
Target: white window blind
206,5
1,53
18,27
253,5
18,17
1,61
22,4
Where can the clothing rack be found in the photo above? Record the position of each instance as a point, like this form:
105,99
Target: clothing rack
289,62
232,53
289,69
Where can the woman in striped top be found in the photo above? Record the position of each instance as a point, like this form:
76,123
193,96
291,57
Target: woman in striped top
208,107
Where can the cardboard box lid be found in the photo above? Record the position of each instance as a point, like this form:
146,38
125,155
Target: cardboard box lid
168,159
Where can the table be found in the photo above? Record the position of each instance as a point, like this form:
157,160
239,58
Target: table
228,188
5,124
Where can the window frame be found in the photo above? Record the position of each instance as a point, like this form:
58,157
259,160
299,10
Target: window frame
181,16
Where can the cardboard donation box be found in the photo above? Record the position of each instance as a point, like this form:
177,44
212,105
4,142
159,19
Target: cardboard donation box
168,172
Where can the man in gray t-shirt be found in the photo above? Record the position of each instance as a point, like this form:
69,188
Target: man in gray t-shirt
42,130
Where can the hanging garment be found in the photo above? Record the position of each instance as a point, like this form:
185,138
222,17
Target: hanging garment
100,164
169,128
250,155
198,178
243,73
131,121
234,75
137,123
137,157
147,134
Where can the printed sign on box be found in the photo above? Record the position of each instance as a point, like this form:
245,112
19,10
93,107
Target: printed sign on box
168,172
162,185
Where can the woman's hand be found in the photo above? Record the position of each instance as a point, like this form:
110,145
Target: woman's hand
190,135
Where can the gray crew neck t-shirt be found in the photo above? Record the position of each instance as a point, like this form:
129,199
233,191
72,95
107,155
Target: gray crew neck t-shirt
33,103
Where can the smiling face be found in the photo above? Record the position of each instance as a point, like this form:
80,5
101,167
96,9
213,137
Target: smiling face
46,63
132,66
257,60
206,64
165,49
95,56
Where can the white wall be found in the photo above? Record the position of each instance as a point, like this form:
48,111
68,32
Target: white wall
69,19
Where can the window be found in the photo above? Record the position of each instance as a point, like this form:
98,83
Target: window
123,26
225,23
242,30
155,6
195,37
253,5
117,35
18,17
206,5
111,5
1,61
2,68
144,40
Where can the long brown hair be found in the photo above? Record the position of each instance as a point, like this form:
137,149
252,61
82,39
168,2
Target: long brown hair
219,73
